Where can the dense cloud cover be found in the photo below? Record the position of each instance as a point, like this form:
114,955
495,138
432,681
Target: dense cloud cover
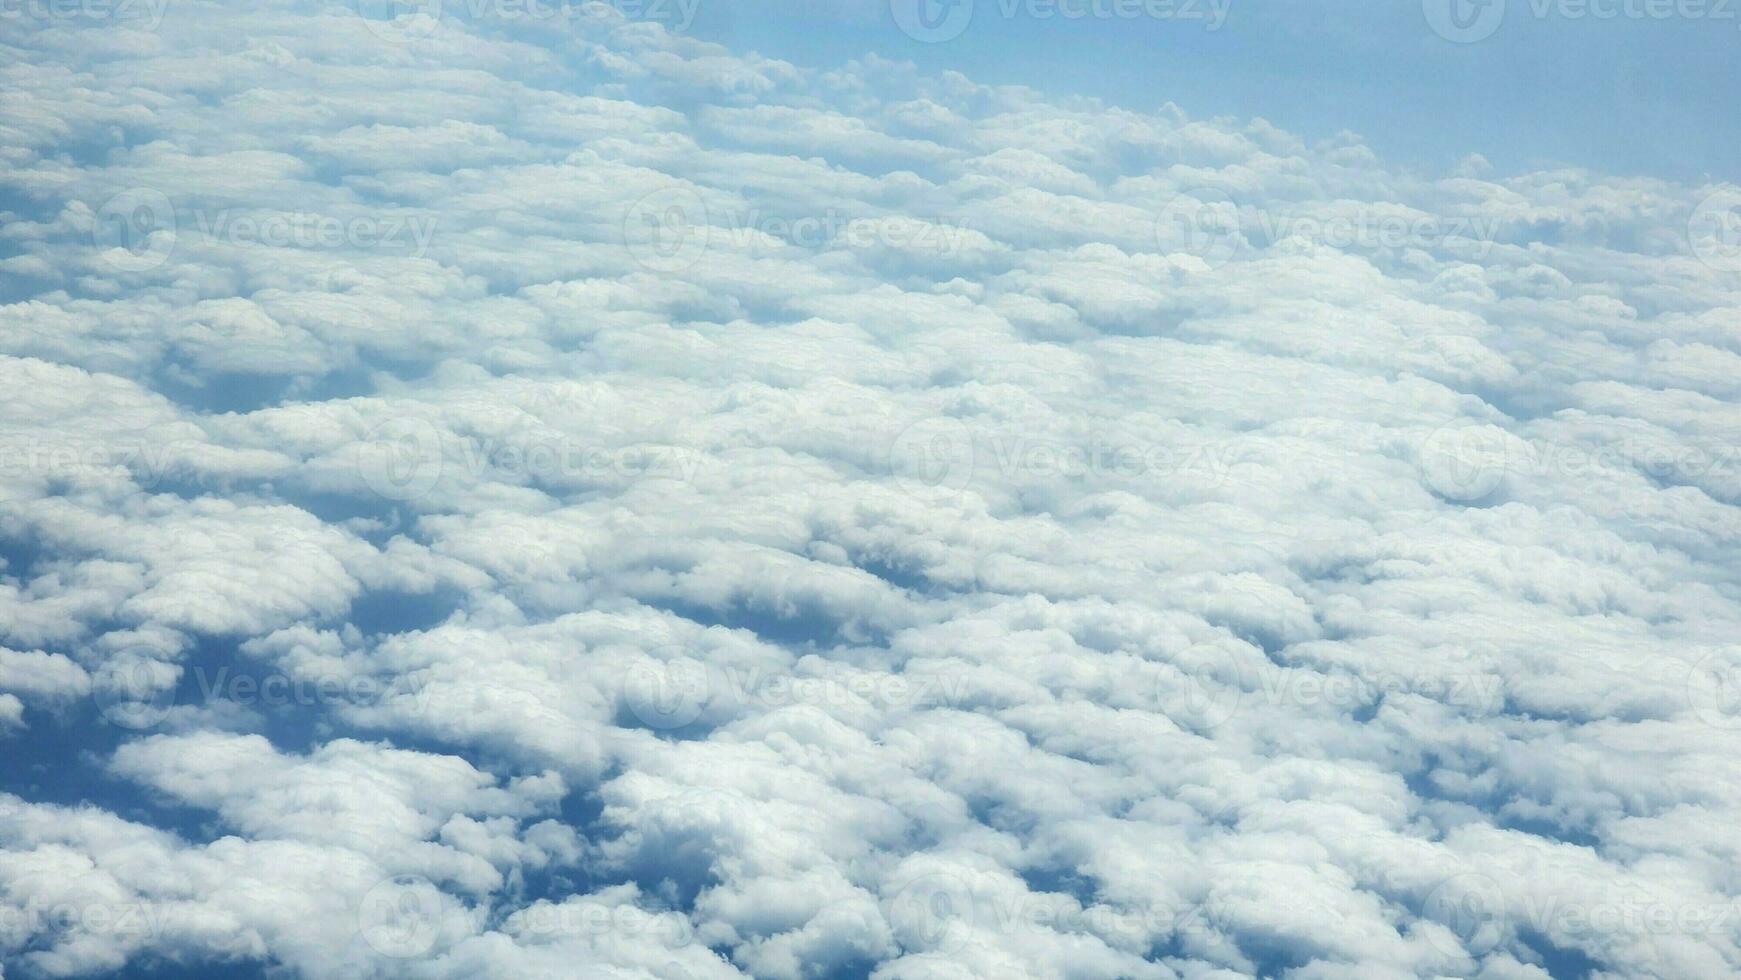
503,496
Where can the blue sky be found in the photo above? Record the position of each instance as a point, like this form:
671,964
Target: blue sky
1627,94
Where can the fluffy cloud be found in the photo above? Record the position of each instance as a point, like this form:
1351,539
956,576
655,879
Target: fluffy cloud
484,497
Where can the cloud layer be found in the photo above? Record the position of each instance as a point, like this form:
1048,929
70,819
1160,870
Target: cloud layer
485,496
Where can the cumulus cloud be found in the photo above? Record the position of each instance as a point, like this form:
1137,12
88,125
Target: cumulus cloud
657,509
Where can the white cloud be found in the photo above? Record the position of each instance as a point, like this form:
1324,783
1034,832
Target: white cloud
795,523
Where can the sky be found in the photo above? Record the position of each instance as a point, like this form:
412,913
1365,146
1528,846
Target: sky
869,491
1624,86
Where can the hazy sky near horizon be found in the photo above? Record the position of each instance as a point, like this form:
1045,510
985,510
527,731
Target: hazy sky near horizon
1643,87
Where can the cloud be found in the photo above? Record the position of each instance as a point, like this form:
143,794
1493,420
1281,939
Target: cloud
745,519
